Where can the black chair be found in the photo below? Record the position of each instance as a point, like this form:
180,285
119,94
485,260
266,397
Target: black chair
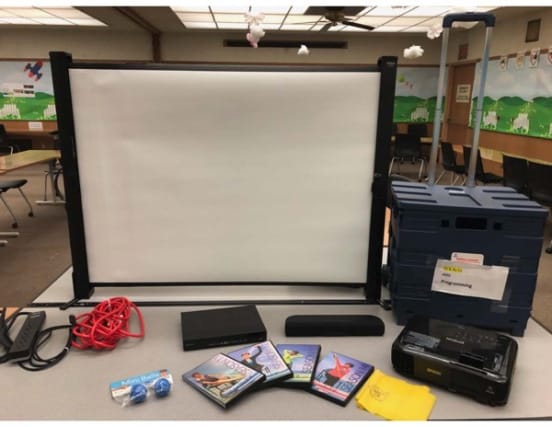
480,174
5,186
539,183
515,173
449,164
407,147
418,129
5,146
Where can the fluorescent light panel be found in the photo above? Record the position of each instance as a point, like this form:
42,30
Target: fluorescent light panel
53,21
194,17
202,25
388,29
428,11
389,10
48,16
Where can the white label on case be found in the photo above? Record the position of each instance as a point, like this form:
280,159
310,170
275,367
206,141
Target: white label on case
480,281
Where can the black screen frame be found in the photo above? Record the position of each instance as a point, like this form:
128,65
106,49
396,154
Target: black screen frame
83,288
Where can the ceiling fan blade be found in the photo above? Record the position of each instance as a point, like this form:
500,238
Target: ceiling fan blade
356,24
327,26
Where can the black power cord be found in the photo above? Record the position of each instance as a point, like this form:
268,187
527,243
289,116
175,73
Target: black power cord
35,362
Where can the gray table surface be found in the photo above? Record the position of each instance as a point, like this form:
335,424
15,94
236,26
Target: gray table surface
78,388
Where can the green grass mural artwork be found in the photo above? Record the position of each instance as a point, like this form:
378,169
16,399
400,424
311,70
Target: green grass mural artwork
41,107
415,94
26,91
527,109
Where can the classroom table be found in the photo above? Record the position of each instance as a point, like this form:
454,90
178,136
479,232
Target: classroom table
78,387
31,157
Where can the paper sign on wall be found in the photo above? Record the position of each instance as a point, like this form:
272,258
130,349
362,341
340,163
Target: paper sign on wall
480,281
35,126
463,93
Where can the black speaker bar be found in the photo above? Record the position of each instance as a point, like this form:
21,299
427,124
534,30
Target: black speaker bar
334,326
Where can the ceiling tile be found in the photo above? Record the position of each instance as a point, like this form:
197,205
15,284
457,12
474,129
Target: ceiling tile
275,26
195,17
389,10
89,22
373,20
297,27
53,21
19,21
229,17
300,19
191,8
428,11
388,29
66,12
28,12
209,25
232,25
417,29
404,21
273,18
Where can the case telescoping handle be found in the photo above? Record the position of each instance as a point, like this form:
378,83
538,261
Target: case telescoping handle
489,21
488,18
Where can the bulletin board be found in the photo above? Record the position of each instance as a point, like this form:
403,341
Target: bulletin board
27,92
518,95
224,175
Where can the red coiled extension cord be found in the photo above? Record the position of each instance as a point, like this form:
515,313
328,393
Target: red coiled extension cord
106,324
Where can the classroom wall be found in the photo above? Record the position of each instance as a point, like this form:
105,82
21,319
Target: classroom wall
363,48
508,36
507,39
25,43
201,46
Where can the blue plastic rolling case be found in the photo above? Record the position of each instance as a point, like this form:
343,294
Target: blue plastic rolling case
430,222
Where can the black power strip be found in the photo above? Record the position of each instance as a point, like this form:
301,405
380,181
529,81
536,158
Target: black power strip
30,338
23,345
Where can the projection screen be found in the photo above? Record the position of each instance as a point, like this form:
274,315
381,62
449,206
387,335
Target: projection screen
224,176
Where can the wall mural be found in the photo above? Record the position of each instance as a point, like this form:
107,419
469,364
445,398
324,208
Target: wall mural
415,94
518,95
27,92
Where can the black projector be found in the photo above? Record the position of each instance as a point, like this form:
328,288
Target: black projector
474,362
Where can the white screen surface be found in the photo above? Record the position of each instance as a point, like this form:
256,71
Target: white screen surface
225,176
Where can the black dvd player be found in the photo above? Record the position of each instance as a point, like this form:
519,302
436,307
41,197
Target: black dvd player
474,362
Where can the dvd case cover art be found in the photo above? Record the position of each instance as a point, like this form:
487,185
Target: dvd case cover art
302,359
339,377
222,379
263,357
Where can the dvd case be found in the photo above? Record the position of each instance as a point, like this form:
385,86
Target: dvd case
263,357
302,359
338,377
223,379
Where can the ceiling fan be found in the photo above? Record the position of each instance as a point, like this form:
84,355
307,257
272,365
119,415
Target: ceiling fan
336,15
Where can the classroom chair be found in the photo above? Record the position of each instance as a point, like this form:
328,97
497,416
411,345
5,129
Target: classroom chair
449,164
515,173
5,147
539,183
407,147
7,185
480,174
